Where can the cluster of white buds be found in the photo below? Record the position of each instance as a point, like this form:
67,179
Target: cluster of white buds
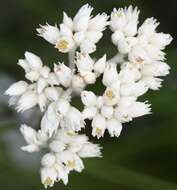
135,68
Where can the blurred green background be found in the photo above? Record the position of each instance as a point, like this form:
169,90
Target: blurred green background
143,158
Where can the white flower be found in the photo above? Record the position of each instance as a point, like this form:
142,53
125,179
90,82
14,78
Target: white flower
148,27
62,107
98,126
78,83
48,176
114,127
125,20
63,73
41,84
89,112
27,101
52,93
33,60
100,65
73,120
89,150
17,88
49,33
152,82
89,77
42,101
107,111
98,23
110,74
48,160
88,98
72,161
111,96
156,68
34,139
82,17
160,40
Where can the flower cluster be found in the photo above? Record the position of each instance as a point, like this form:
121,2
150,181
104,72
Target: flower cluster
135,69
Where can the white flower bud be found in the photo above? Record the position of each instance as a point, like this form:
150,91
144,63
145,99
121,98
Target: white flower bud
78,83
156,68
34,61
131,71
100,65
84,62
41,84
52,93
152,82
148,27
62,107
74,120
87,47
44,71
89,112
118,19
114,127
17,88
52,79
24,64
89,77
32,75
82,17
64,44
49,33
88,98
42,101
49,123
123,46
64,74
161,40
26,101
138,109
110,74
107,111
116,36
131,28
29,134
98,126
90,150
48,160
98,23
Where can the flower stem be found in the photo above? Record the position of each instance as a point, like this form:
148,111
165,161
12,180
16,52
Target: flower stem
71,58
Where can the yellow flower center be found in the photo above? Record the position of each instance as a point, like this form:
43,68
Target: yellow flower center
48,182
110,94
70,163
98,131
62,45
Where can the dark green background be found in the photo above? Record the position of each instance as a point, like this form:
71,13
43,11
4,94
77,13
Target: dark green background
143,158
